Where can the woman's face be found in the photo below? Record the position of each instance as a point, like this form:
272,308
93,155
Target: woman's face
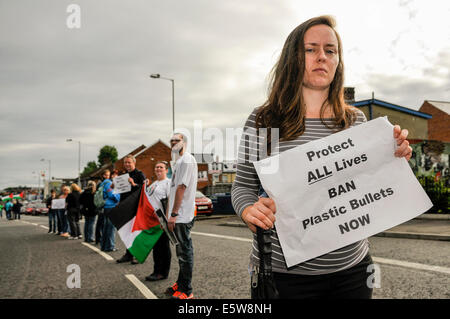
321,57
160,171
66,190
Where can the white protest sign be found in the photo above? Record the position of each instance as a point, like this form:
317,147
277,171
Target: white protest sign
121,184
59,203
340,189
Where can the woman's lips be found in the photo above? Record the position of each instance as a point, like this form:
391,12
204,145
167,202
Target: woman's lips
320,70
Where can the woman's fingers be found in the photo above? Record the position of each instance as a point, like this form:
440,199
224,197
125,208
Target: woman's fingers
260,214
401,149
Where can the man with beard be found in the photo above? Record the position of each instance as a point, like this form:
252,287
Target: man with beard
181,213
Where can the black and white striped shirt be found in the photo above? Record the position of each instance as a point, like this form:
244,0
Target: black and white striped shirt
246,188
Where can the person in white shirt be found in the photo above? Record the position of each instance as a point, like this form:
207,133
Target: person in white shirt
181,210
161,251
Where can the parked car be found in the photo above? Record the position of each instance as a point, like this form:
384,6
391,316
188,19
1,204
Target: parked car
41,209
222,203
30,210
203,204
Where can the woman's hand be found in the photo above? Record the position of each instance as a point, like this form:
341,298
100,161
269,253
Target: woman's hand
403,150
261,214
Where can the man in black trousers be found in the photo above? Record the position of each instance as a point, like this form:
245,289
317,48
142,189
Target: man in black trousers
137,179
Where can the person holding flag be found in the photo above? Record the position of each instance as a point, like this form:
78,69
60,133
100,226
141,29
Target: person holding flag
161,251
136,179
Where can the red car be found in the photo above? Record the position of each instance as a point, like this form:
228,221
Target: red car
203,204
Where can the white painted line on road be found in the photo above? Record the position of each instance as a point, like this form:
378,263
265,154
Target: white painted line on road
142,288
105,255
34,224
45,227
223,236
412,265
392,262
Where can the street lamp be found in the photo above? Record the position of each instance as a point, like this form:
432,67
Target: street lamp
79,158
158,76
49,168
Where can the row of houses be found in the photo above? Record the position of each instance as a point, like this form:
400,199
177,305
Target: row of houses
430,122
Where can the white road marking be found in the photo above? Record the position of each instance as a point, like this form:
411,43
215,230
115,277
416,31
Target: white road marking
142,288
407,264
223,236
45,227
386,261
105,255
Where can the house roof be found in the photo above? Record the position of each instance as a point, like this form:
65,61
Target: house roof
443,106
391,106
143,150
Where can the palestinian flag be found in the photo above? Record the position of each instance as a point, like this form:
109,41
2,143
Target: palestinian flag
137,223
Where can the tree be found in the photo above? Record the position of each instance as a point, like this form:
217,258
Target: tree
90,167
108,154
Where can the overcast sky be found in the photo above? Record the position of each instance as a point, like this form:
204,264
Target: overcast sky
92,84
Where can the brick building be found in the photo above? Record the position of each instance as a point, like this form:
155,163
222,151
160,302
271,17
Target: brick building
439,124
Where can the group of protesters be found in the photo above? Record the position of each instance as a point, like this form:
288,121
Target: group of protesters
180,193
11,208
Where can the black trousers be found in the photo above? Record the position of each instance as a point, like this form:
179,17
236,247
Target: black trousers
162,256
346,284
74,217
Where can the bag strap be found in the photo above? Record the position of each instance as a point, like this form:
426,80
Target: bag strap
265,250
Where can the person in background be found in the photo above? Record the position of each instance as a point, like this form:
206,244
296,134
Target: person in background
136,179
101,217
63,223
16,208
52,220
89,211
8,209
161,251
108,242
73,211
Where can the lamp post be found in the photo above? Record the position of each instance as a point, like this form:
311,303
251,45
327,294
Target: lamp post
158,76
49,168
79,158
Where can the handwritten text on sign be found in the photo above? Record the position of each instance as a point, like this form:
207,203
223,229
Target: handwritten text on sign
340,189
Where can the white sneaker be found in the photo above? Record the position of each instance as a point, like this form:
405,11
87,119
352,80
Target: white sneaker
70,237
79,237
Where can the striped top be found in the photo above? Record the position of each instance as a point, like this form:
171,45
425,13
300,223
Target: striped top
246,188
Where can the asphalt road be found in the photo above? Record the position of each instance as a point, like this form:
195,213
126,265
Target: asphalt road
35,264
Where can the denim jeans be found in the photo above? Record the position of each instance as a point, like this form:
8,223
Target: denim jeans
63,223
99,227
185,254
109,231
89,228
52,220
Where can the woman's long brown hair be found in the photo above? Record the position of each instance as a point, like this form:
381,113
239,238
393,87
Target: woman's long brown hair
285,107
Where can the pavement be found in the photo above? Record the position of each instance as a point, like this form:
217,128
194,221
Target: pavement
425,226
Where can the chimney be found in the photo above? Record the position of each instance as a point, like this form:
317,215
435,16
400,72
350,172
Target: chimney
349,95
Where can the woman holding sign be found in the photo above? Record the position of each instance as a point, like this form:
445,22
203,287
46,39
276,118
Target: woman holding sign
305,103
